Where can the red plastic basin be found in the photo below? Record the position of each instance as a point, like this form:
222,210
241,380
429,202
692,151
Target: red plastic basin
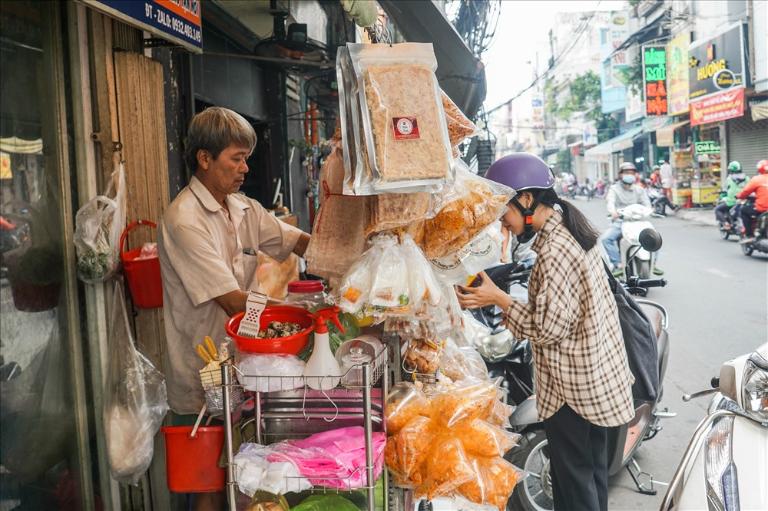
192,464
291,345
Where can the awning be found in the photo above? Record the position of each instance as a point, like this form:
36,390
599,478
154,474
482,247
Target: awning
665,137
461,74
603,151
759,110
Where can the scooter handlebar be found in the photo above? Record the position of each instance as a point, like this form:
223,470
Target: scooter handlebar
646,283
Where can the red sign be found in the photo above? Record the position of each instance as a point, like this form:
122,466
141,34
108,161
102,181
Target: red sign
656,98
405,128
718,107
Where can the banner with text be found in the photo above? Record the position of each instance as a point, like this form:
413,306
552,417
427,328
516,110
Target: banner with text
177,21
718,107
655,80
677,73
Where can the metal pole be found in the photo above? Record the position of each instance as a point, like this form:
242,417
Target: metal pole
371,483
226,378
258,418
384,392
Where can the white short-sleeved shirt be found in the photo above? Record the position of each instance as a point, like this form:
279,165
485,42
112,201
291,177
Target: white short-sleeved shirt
205,253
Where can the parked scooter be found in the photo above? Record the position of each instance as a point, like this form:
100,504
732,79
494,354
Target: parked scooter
637,261
759,234
725,466
511,360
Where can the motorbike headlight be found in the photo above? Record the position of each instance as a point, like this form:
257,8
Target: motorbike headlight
722,480
755,387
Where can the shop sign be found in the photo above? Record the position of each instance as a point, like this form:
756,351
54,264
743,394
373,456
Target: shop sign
677,73
635,106
5,166
707,147
177,21
718,107
717,64
655,79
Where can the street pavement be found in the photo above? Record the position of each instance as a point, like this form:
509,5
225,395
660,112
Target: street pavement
717,304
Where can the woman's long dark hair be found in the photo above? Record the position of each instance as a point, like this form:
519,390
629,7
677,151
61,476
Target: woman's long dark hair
574,220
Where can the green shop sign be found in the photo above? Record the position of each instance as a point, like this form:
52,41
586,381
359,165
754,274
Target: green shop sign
707,147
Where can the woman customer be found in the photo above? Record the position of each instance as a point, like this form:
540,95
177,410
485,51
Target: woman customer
583,381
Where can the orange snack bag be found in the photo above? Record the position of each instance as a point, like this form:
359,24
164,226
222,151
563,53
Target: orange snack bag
480,438
407,450
493,482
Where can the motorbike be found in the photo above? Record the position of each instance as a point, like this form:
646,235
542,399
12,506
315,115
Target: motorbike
725,465
637,261
732,224
513,366
758,236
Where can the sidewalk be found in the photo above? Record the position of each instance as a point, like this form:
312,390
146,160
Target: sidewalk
701,216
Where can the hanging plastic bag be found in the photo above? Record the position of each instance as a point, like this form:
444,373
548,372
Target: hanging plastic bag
493,482
459,126
98,225
482,252
135,400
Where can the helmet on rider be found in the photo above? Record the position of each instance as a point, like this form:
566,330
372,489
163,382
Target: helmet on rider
762,167
627,166
521,172
628,173
734,167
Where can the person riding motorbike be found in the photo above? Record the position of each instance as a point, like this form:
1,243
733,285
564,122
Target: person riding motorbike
571,320
759,186
621,194
734,183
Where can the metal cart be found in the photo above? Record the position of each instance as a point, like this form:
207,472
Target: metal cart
288,408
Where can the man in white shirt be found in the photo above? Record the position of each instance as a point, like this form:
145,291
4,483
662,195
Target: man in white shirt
667,177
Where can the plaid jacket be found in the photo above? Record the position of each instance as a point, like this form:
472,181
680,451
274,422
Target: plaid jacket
573,325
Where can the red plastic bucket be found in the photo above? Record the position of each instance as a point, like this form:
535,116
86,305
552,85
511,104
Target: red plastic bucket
192,464
291,345
143,275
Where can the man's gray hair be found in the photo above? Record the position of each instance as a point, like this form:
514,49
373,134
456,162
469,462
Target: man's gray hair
213,130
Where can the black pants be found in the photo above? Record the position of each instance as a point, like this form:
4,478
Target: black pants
748,215
722,213
578,453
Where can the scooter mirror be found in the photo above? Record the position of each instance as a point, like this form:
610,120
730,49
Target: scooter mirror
650,240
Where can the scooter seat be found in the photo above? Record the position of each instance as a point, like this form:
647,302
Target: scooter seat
655,317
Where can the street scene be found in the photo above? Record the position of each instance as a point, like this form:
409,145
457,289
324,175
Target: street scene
383,255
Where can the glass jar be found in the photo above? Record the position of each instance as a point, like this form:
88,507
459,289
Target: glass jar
352,367
307,294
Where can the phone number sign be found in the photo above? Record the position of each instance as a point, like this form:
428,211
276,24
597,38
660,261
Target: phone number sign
655,80
177,21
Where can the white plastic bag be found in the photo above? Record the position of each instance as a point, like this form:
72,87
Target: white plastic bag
389,286
135,401
256,369
98,226
482,252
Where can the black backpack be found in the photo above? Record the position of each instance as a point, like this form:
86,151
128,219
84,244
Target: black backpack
639,341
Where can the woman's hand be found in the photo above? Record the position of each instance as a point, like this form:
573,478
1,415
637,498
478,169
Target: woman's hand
487,293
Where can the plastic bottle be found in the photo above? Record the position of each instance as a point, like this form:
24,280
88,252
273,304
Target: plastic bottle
322,371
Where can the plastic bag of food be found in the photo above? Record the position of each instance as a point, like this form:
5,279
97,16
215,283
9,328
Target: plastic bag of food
408,449
462,363
422,356
423,284
355,288
98,226
135,400
459,126
480,438
470,399
482,252
405,130
447,467
500,413
492,482
389,283
405,402
395,210
469,206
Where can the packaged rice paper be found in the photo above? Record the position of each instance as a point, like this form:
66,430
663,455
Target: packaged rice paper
403,121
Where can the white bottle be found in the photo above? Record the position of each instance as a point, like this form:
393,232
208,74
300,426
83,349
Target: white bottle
322,371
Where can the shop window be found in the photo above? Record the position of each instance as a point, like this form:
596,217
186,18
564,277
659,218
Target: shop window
39,466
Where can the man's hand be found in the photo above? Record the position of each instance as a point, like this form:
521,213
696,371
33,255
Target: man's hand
615,215
234,302
487,293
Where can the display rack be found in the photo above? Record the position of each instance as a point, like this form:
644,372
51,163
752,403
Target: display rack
290,409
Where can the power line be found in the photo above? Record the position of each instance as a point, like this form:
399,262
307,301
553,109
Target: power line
553,64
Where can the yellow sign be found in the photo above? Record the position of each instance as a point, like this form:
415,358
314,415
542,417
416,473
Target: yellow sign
5,166
677,73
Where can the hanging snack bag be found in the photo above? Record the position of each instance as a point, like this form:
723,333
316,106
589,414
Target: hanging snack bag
408,449
459,126
404,125
493,482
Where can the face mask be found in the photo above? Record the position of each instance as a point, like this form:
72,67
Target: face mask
628,180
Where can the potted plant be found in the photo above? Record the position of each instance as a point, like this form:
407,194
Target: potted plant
36,279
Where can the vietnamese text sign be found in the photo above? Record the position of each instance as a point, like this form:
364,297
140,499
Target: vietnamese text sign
707,147
718,107
655,79
677,73
175,20
717,64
